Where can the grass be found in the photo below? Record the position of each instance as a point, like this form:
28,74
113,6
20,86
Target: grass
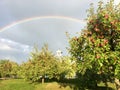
20,84
51,86
110,85
15,84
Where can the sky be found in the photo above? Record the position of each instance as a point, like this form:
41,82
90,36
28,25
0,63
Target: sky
24,23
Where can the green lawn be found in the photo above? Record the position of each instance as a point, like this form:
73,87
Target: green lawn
16,84
20,84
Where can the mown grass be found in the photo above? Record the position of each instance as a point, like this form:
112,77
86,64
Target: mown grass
20,84
15,84
51,86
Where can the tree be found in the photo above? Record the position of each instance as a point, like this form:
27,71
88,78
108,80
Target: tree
14,70
97,49
8,68
42,64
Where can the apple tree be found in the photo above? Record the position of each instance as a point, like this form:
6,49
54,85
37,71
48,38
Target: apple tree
97,49
42,64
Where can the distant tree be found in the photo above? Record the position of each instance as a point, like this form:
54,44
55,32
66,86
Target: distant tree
8,68
97,49
14,70
42,64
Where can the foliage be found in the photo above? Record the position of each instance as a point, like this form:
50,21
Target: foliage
67,67
96,49
8,68
42,64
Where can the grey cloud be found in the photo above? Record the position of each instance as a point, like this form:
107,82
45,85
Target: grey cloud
14,56
14,46
13,50
49,31
20,9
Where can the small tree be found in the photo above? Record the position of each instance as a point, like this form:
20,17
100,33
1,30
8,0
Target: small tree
41,64
8,68
14,70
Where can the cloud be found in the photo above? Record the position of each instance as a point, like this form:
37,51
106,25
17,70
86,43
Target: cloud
116,1
16,10
6,44
13,50
16,56
4,47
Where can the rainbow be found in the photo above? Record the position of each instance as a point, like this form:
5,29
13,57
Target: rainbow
38,18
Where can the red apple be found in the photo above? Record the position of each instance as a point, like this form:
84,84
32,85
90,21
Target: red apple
105,41
96,29
106,16
97,56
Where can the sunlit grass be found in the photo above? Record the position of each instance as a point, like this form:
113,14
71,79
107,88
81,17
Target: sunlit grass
20,84
15,84
51,86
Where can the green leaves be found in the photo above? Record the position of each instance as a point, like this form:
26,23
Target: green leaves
8,69
98,47
41,63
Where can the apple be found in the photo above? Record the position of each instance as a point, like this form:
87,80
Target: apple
112,22
106,16
100,45
97,56
105,41
96,29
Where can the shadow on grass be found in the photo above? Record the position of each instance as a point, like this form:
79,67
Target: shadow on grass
75,84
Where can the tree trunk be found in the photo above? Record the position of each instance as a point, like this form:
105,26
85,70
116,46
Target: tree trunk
117,83
43,80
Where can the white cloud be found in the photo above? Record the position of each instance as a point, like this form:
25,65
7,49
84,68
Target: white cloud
6,44
4,47
13,50
116,1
